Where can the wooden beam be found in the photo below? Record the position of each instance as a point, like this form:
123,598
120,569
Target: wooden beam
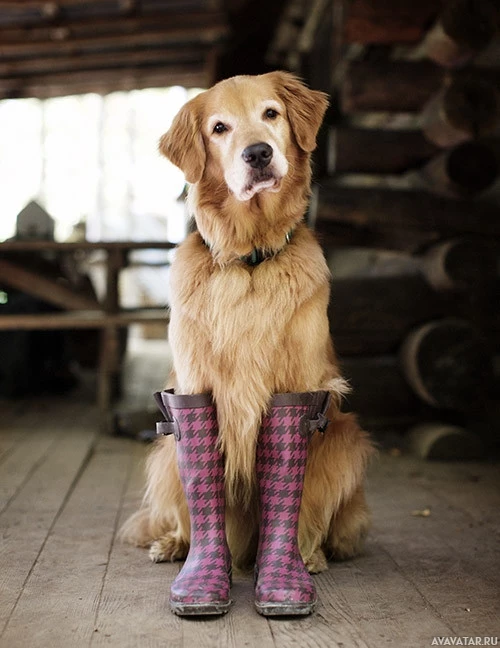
82,320
388,22
211,26
87,246
397,218
367,150
48,290
105,81
159,38
105,60
39,4
399,86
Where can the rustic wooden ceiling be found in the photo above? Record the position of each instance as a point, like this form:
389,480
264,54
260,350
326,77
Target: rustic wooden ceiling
56,47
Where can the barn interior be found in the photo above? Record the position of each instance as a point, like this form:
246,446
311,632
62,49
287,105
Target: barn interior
406,205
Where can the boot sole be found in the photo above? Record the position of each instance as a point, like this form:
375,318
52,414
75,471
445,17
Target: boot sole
285,609
200,609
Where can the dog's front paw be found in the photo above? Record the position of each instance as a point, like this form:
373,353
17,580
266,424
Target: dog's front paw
168,548
156,553
317,562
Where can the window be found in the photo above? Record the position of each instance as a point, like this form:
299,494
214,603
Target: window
93,158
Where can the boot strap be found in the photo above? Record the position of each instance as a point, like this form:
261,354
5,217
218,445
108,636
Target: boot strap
169,425
320,422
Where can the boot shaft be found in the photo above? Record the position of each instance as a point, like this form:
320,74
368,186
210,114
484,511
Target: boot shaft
193,421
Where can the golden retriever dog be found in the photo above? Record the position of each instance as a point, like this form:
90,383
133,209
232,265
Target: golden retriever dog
250,290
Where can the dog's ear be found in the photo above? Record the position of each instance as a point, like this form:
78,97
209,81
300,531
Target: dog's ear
306,108
183,143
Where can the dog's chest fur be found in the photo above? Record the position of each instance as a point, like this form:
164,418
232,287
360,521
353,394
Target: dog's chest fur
240,314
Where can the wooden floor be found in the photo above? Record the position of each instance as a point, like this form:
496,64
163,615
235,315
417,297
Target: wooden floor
431,566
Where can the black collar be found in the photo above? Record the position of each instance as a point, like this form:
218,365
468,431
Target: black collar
257,255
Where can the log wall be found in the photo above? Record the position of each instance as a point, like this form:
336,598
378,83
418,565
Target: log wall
407,201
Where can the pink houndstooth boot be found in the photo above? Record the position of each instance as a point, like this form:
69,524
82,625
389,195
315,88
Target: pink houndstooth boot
202,586
283,584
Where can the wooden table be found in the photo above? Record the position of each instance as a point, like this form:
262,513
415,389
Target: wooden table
80,311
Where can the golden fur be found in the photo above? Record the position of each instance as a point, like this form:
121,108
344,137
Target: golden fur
246,332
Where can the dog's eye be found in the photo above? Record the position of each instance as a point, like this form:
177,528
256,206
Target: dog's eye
219,128
270,113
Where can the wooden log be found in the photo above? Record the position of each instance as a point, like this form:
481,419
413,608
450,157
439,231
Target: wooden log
465,170
388,22
372,314
49,290
463,109
463,29
447,363
444,442
379,391
397,218
461,264
398,85
368,150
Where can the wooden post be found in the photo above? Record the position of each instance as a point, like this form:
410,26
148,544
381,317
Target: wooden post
463,29
463,109
109,361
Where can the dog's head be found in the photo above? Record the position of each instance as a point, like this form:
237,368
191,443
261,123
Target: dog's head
244,131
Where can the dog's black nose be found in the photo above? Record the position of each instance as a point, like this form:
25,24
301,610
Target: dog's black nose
258,155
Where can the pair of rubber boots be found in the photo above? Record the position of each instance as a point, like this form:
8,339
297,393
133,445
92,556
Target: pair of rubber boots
283,585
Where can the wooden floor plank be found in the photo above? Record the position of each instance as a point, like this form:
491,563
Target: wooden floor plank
22,460
471,487
133,607
26,522
375,604
448,556
58,603
65,580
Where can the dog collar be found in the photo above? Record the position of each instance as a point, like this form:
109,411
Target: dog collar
257,255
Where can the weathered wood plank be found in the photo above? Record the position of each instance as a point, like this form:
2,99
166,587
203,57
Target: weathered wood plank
59,597
30,516
30,451
447,556
133,606
378,600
